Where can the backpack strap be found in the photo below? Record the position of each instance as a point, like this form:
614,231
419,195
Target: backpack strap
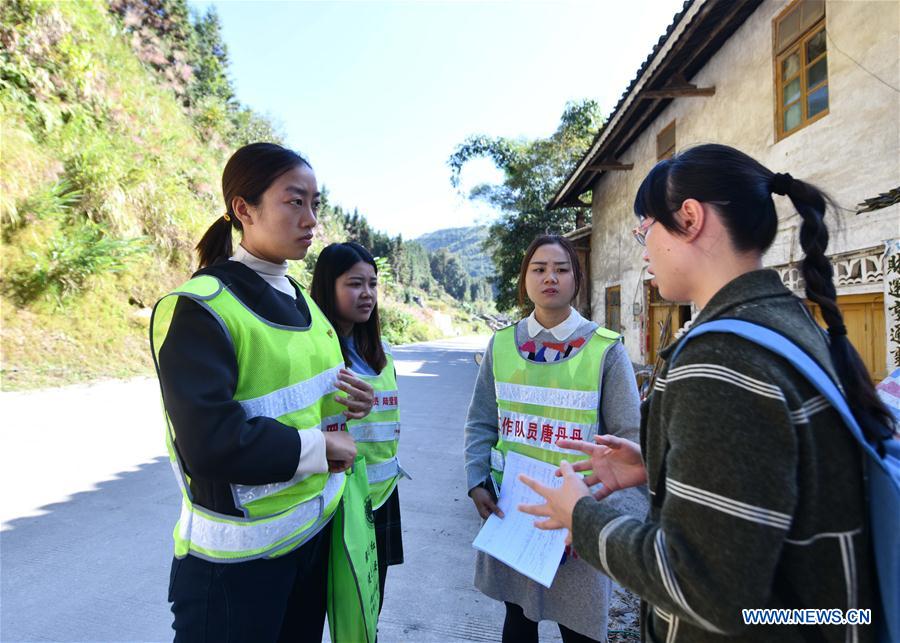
883,482
781,345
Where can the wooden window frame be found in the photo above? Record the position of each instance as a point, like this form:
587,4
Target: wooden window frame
798,45
670,151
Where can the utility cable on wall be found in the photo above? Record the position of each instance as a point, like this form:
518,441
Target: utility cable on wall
858,64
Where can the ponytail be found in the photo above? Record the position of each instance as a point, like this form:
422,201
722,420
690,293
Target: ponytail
741,189
873,417
215,245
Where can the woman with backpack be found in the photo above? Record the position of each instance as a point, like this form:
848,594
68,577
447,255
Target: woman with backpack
756,485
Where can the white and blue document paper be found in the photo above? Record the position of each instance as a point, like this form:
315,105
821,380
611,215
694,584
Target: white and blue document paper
514,539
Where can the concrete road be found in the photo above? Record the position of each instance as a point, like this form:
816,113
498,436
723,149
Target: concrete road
89,502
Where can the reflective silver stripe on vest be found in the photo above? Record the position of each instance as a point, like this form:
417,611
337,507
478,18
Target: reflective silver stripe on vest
550,397
248,493
385,401
291,398
375,432
498,462
383,471
179,477
242,535
541,433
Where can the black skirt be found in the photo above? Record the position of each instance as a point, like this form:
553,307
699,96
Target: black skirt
388,534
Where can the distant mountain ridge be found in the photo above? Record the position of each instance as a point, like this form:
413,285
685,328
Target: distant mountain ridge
465,242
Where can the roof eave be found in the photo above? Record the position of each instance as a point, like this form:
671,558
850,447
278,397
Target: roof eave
579,233
630,98
640,101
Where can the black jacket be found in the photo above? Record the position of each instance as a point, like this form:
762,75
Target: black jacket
216,443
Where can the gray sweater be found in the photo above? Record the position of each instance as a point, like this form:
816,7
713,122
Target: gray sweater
579,596
755,488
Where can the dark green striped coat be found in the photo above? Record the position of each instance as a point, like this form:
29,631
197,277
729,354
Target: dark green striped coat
755,488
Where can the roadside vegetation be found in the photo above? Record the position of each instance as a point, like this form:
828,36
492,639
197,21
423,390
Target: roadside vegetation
116,119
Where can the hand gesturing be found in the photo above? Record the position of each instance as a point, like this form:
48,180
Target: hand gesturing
615,462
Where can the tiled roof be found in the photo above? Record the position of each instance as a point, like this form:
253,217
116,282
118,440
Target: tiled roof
694,35
640,72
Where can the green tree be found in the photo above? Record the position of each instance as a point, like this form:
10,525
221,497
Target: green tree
382,244
251,127
533,171
211,62
164,38
186,49
480,289
412,261
358,229
448,271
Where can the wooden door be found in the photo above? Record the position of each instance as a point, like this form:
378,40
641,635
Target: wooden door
864,319
659,313
658,317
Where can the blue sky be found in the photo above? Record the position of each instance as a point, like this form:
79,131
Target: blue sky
378,94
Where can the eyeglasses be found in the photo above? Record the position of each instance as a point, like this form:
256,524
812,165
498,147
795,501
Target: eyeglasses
640,232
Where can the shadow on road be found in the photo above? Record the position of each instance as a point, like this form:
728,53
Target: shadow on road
93,568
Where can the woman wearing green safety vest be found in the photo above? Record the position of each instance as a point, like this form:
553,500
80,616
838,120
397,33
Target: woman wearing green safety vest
345,286
553,375
250,372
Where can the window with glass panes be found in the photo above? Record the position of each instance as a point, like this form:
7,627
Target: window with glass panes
801,66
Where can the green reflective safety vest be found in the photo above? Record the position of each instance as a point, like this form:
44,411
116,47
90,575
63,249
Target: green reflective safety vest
378,433
284,373
541,402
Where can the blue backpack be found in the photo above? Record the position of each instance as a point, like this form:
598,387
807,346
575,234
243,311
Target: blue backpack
882,473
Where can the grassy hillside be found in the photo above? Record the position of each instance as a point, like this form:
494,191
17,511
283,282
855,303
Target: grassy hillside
466,243
105,183
109,172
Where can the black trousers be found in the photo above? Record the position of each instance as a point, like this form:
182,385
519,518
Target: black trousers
388,538
518,628
278,599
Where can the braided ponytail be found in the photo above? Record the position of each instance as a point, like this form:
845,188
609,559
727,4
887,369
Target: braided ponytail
874,418
741,189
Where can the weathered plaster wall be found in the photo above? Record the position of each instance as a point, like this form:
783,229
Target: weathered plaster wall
853,152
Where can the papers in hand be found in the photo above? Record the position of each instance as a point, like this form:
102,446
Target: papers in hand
514,539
